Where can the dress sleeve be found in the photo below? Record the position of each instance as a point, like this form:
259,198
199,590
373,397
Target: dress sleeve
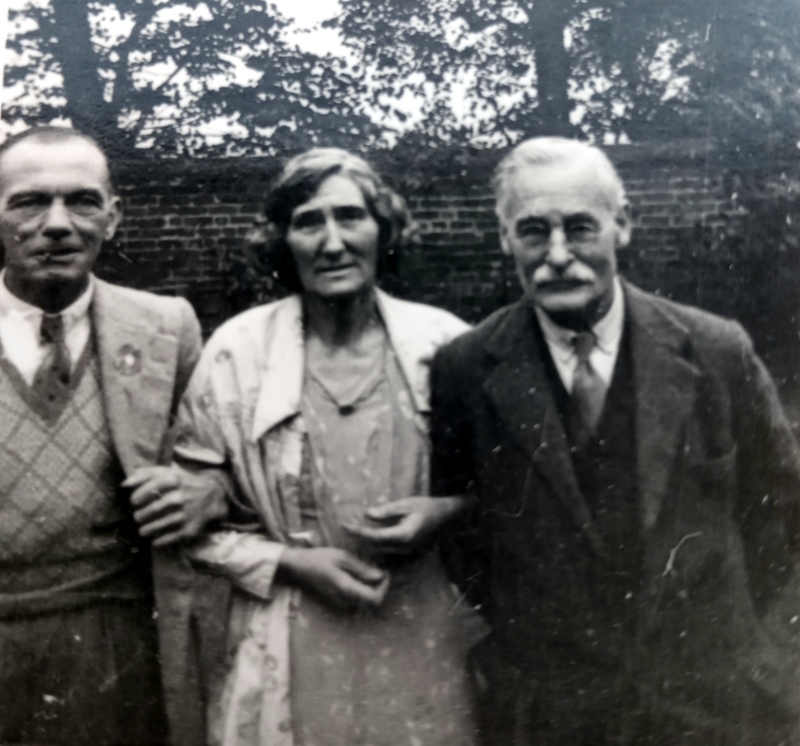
248,560
237,548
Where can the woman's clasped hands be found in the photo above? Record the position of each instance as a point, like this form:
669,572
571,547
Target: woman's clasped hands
335,575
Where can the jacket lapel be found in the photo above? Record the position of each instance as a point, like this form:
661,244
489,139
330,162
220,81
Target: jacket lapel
137,368
521,395
413,349
664,377
415,333
281,385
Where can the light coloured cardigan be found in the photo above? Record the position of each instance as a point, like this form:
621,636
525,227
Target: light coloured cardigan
239,416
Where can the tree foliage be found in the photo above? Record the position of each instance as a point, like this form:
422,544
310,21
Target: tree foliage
224,76
168,73
615,69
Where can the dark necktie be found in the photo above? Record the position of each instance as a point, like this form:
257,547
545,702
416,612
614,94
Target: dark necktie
588,388
50,385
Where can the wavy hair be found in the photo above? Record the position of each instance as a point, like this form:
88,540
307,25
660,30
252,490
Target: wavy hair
298,183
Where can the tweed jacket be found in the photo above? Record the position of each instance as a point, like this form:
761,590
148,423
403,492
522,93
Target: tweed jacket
147,347
713,655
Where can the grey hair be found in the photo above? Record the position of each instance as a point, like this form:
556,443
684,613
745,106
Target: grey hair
546,151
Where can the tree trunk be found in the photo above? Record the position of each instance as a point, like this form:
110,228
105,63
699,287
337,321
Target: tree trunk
547,21
83,85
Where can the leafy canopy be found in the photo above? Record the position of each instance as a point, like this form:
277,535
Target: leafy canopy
181,75
617,70
227,76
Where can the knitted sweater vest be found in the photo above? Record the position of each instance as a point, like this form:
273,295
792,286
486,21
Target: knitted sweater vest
66,535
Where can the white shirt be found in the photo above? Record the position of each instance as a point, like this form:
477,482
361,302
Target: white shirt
603,357
20,324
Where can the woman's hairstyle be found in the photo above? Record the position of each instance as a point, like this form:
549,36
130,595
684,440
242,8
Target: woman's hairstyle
298,183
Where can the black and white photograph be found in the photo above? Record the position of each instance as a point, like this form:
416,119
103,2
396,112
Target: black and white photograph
400,373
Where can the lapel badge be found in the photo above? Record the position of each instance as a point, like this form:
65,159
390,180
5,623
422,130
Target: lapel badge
183,434
129,360
205,401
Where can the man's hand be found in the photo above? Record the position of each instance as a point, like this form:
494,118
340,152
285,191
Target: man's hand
340,578
171,505
403,526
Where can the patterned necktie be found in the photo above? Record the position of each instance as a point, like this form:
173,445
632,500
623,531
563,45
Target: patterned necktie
50,385
588,388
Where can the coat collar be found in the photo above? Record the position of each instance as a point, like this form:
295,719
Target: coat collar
283,365
137,368
520,392
281,377
665,375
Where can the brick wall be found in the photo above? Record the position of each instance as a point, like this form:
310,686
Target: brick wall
181,222
676,214
185,221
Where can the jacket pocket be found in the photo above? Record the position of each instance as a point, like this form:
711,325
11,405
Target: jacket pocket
710,478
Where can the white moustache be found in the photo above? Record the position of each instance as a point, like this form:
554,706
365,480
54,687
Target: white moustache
545,274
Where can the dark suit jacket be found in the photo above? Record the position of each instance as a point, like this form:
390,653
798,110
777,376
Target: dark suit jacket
711,660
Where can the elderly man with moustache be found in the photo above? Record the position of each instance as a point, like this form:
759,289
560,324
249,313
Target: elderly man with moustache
634,531
90,376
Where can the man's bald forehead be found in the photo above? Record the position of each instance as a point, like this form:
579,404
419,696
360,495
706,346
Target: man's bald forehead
55,136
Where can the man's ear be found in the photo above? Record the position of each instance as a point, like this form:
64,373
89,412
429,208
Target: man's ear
624,226
114,216
504,238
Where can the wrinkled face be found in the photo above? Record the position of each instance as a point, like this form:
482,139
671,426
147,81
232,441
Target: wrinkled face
56,209
559,223
334,240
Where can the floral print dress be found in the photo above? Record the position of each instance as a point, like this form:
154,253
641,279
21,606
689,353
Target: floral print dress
299,673
395,675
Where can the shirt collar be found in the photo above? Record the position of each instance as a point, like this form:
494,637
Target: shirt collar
608,330
73,313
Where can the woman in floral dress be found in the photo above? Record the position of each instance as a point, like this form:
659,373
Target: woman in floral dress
312,412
